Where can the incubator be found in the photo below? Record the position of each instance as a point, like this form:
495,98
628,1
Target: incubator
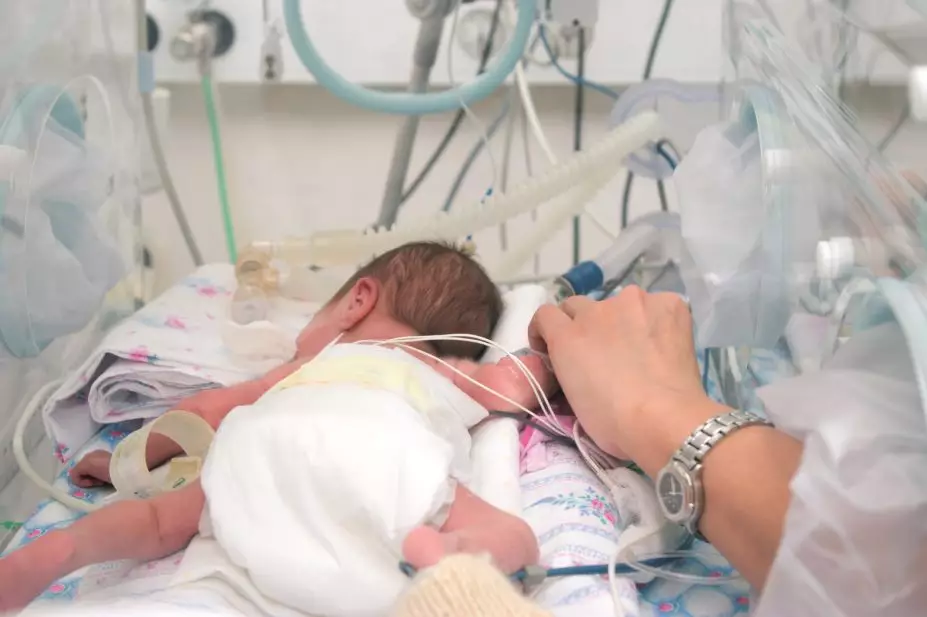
69,204
793,232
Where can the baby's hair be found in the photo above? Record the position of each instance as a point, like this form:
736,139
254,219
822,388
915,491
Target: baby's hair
436,288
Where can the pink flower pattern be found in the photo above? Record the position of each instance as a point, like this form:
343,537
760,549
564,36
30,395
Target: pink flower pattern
175,323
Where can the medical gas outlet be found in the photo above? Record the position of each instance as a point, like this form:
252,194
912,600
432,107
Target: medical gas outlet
206,35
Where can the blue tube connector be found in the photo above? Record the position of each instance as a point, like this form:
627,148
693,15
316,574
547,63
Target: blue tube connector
407,103
584,278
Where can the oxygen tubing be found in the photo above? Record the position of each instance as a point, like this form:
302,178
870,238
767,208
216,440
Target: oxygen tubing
19,452
212,114
406,103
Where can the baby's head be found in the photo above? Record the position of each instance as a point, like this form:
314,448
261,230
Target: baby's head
421,288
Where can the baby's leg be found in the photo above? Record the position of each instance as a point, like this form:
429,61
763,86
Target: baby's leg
474,526
142,530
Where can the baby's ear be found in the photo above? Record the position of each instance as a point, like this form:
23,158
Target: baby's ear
358,303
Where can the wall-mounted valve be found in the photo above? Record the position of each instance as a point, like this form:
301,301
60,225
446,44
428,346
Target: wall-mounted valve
206,35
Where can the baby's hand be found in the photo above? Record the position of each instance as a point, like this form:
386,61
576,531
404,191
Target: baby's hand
504,378
92,470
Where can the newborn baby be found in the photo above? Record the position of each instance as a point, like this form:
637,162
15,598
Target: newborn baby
332,408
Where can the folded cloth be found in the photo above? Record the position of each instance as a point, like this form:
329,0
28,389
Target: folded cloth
169,350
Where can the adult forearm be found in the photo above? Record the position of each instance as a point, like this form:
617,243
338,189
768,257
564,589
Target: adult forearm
745,477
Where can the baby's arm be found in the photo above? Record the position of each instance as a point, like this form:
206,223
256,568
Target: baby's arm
211,405
504,377
137,529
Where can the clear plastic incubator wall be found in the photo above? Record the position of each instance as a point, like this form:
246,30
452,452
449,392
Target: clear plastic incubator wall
69,200
828,260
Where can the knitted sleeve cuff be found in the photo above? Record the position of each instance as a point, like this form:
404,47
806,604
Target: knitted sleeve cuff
464,586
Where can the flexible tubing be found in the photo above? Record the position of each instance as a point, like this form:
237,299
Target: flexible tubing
404,102
531,112
212,114
173,199
482,144
548,225
534,121
427,46
604,157
37,400
402,155
157,150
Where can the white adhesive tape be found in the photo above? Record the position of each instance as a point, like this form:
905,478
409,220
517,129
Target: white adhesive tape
128,468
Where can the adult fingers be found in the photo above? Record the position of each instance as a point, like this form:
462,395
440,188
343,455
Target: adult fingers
576,304
547,322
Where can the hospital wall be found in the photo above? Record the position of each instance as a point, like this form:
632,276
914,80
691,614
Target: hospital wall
300,161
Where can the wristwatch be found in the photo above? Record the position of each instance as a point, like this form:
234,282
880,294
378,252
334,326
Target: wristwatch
679,484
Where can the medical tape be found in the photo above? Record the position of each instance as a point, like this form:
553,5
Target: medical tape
128,468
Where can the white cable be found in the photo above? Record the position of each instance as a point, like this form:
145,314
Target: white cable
531,112
37,400
484,133
548,419
534,121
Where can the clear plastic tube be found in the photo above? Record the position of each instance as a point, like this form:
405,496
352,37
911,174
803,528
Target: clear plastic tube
649,163
642,234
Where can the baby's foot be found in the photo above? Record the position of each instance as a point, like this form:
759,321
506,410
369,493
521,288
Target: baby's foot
512,546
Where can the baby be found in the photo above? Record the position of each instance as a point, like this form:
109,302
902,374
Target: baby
350,399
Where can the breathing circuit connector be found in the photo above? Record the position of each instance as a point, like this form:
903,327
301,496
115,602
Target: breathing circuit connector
258,279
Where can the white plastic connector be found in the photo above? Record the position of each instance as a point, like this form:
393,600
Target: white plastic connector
835,257
917,93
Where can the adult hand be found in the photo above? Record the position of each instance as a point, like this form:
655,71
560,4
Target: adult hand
621,360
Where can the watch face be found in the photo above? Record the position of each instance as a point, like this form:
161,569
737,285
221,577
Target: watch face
672,494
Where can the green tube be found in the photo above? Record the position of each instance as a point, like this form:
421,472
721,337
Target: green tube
213,117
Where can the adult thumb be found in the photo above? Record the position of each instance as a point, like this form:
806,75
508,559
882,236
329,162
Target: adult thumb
547,326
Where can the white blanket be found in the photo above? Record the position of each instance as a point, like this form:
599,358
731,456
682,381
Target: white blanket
341,462
167,351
